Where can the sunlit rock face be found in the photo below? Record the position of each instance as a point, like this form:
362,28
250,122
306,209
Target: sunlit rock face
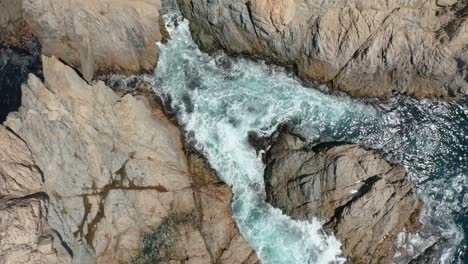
95,36
90,175
361,198
208,235
25,236
221,101
364,48
112,170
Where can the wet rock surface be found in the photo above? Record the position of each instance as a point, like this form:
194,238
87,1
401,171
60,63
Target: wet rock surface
365,201
112,170
367,49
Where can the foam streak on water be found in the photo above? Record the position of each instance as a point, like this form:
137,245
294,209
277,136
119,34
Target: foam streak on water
219,101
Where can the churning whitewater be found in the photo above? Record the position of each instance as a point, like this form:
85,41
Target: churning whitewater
219,101
219,124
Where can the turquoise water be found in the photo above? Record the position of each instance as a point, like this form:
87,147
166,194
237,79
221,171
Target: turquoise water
220,100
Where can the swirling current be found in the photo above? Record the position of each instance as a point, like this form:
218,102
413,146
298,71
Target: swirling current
220,100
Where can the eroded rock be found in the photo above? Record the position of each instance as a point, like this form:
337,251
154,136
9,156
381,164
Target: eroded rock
19,175
363,199
113,170
214,199
24,234
364,48
208,234
94,35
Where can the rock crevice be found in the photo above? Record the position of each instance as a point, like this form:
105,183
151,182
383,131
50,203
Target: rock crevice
366,49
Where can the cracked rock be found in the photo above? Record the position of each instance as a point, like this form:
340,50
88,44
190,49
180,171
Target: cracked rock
25,236
362,199
94,36
113,170
364,48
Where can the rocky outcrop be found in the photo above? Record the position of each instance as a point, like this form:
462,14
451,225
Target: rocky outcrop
208,235
14,31
364,200
110,170
19,175
364,48
93,36
24,234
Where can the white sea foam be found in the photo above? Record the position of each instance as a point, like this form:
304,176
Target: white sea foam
218,108
219,102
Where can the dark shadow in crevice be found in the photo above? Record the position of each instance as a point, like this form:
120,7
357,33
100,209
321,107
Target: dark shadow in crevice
16,63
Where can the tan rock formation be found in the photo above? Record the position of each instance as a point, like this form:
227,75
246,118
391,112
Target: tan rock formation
92,35
223,240
208,235
365,48
114,171
364,200
24,234
10,11
14,30
19,175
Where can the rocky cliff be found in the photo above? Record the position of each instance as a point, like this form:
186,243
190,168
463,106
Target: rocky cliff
364,48
92,36
368,203
87,176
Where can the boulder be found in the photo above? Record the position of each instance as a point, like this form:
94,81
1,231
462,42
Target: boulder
95,36
360,197
364,48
